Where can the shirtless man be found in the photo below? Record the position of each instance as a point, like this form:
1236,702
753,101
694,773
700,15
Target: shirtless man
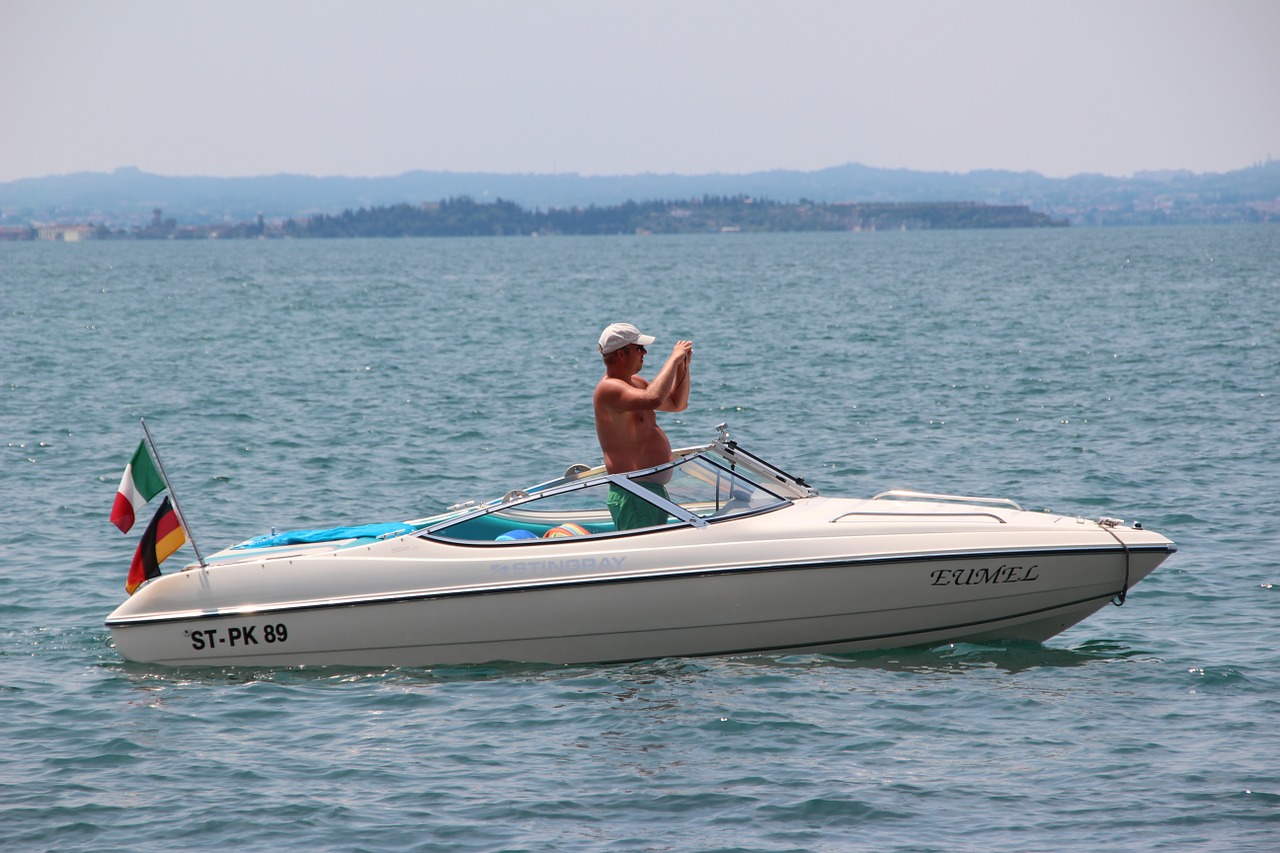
624,404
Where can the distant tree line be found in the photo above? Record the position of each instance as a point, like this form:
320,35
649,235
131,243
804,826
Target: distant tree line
122,201
462,216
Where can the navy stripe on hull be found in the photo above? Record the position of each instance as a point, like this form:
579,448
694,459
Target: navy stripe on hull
242,612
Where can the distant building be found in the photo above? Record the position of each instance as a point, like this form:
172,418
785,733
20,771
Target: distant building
159,228
15,232
64,233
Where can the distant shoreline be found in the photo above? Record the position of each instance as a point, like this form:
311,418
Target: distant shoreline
126,199
464,217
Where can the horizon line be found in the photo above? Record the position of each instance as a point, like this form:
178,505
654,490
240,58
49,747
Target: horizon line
132,169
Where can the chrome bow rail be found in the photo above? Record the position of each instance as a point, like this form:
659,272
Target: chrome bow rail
907,495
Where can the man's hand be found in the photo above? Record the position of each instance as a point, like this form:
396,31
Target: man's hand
683,350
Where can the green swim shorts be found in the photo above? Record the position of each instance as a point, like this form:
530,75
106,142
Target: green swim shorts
632,511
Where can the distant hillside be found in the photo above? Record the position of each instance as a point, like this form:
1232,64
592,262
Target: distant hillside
463,217
127,197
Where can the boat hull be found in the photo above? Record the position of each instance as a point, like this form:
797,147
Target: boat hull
819,606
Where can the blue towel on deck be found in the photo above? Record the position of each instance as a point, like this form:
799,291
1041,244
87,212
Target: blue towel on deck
300,537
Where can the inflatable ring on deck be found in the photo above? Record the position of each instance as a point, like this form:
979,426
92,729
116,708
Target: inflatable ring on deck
569,529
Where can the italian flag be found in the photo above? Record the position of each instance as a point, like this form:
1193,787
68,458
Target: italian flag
164,536
141,482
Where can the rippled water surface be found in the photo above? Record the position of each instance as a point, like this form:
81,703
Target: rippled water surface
1130,373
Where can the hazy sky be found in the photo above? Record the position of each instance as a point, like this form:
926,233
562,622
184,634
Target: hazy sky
225,87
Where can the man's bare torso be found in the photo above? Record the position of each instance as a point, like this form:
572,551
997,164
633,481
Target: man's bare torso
630,440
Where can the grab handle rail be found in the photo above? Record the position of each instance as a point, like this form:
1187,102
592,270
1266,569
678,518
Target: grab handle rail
907,494
906,514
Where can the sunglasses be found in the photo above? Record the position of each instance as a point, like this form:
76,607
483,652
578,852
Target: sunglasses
638,348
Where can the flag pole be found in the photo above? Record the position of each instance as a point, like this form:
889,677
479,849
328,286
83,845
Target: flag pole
182,519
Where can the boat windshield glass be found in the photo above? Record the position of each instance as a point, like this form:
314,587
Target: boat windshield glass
712,491
700,489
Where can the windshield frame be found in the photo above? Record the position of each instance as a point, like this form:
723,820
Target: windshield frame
708,456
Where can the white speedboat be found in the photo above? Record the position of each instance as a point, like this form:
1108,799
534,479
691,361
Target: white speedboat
741,559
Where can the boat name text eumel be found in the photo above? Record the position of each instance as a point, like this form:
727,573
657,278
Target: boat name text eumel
972,577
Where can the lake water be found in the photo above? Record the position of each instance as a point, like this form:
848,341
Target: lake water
1131,373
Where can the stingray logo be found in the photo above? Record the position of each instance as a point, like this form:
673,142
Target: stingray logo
978,577
551,568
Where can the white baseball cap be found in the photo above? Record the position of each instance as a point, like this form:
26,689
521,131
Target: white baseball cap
618,335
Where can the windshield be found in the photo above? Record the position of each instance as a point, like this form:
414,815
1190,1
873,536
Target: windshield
710,490
693,491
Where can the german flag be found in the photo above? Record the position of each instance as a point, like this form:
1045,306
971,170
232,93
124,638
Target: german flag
164,535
